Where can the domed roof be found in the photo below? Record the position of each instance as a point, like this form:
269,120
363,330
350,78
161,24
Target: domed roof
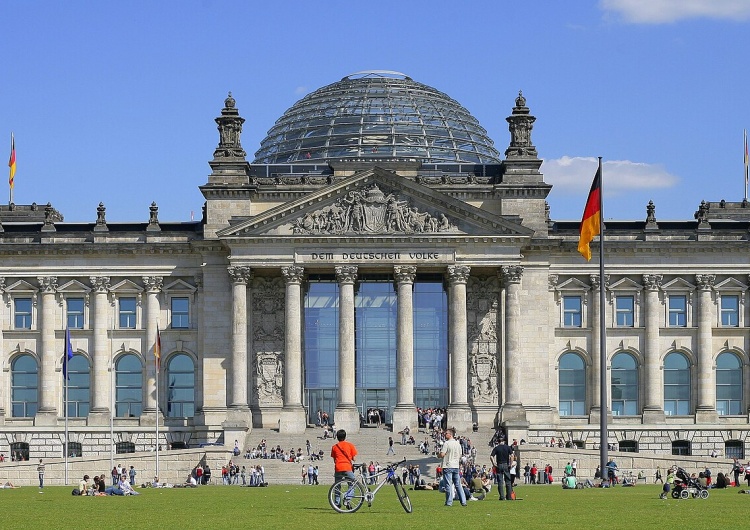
377,115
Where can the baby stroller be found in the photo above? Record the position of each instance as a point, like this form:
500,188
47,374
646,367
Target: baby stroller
686,486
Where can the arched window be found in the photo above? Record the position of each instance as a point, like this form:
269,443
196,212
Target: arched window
180,387
24,387
129,387
676,385
79,387
728,384
572,384
624,385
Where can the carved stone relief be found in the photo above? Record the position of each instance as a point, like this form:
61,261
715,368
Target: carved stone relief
483,295
268,340
372,211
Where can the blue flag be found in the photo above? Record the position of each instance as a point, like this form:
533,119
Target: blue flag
68,355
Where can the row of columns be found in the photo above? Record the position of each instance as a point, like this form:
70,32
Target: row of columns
653,409
293,416
102,321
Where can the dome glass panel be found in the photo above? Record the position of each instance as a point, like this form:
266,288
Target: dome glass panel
377,115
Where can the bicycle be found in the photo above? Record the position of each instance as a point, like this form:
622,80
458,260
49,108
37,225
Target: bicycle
348,496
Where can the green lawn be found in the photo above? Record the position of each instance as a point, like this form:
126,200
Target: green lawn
306,507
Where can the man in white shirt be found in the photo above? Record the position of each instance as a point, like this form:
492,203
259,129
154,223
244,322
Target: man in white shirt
451,454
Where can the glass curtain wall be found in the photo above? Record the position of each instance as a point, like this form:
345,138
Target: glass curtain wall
321,340
430,342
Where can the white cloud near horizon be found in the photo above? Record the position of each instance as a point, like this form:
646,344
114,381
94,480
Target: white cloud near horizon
667,11
573,175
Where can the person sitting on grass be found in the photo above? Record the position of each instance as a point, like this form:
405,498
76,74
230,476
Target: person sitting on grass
569,482
83,485
125,486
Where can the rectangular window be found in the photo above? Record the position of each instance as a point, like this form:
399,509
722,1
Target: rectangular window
677,311
180,313
572,314
75,313
730,311
625,311
22,313
127,313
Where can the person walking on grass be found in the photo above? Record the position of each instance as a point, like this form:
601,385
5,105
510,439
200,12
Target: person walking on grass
40,471
450,452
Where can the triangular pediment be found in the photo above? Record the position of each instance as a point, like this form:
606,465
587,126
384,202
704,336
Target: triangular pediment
573,284
73,286
376,202
625,284
126,286
730,284
678,284
179,286
21,286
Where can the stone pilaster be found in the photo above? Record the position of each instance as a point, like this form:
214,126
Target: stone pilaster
405,414
513,413
153,285
653,409
706,410
459,413
292,418
50,354
346,413
594,377
240,277
101,377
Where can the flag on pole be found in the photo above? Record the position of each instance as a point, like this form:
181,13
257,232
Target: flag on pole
157,349
591,221
12,161
68,355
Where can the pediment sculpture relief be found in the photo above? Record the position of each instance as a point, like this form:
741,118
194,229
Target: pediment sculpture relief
371,211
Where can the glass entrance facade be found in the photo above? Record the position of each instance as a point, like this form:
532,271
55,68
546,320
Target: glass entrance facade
376,319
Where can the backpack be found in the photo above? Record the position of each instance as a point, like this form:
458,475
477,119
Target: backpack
75,492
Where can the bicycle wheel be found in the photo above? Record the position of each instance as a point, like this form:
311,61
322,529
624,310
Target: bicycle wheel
346,496
403,497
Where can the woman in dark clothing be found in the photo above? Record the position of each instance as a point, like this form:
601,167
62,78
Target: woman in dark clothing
721,481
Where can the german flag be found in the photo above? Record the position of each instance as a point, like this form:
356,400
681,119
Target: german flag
157,350
591,221
12,161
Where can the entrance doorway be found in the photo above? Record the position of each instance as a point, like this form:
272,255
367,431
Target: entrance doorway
375,405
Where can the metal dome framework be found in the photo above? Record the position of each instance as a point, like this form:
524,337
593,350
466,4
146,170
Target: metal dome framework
377,115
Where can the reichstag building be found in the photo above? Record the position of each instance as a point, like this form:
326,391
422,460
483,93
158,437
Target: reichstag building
378,253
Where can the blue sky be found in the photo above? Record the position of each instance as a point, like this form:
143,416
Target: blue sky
114,102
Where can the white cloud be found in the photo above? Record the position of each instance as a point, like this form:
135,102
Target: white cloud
573,175
301,90
665,11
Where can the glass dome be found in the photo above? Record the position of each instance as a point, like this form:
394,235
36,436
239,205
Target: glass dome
377,115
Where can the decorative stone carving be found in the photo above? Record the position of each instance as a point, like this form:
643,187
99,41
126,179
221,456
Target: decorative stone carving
100,284
153,284
651,215
520,123
371,211
153,218
596,283
230,129
48,284
293,274
346,273
101,216
269,377
705,282
268,340
239,274
458,273
511,273
552,280
652,282
483,295
404,273
49,220
702,215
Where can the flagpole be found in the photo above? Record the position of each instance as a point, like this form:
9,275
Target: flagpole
746,162
12,168
157,359
65,380
112,381
603,394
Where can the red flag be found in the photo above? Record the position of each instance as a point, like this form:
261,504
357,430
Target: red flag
591,221
157,349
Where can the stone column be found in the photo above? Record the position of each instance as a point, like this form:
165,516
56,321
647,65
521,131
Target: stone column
101,377
240,277
595,349
706,410
50,353
405,413
459,413
653,409
153,285
3,356
346,413
513,413
293,419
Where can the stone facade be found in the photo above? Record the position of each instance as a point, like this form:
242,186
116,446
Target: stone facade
225,298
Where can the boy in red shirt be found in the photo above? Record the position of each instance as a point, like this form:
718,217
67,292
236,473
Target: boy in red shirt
343,454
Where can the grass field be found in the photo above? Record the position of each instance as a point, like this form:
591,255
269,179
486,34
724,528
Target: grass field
306,507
